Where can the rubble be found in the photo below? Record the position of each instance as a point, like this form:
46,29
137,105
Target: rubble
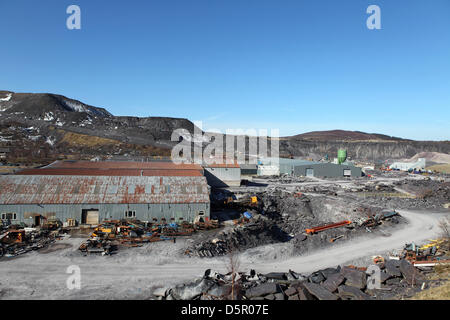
399,277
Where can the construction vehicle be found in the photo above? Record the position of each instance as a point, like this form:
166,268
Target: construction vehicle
52,224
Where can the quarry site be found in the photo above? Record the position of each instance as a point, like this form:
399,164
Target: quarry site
204,154
284,236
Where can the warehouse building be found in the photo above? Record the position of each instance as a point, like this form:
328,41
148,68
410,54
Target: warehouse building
327,170
91,192
223,175
266,166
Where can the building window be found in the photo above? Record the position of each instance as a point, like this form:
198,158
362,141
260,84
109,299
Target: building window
9,216
130,214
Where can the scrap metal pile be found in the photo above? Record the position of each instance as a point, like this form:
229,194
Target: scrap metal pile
111,234
429,255
16,239
397,278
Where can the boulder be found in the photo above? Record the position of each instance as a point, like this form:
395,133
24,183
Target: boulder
333,282
410,273
262,290
316,277
384,276
352,293
319,292
290,291
393,281
220,290
354,277
279,296
304,294
392,269
276,276
329,271
191,290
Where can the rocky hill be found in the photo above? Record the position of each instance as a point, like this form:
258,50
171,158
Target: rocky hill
43,126
360,146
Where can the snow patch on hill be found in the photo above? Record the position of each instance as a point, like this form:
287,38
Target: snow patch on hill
8,97
81,107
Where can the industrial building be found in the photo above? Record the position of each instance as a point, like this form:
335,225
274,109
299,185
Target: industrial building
91,192
266,166
223,174
407,166
248,170
327,170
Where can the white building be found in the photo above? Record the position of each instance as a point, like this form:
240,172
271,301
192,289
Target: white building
405,166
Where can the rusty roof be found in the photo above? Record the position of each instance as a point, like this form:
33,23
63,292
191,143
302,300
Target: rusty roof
155,165
45,189
111,172
222,165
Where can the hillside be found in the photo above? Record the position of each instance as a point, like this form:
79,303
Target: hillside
39,126
342,135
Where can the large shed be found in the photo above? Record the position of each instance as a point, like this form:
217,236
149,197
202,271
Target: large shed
91,195
327,170
223,175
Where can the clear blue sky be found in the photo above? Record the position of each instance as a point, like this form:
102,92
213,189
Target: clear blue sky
294,65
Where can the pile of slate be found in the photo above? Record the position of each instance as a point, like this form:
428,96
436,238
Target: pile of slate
257,232
399,279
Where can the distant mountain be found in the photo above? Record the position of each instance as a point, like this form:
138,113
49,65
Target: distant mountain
45,104
342,135
42,126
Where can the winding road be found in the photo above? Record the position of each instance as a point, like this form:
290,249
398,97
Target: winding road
134,274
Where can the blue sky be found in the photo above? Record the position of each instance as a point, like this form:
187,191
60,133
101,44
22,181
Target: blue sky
293,65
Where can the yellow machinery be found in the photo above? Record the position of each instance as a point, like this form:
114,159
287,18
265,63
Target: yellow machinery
433,243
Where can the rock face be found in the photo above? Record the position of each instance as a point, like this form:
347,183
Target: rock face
362,150
67,126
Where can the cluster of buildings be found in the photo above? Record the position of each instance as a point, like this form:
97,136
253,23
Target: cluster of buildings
92,191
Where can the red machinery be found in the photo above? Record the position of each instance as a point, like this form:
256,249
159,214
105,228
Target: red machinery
328,226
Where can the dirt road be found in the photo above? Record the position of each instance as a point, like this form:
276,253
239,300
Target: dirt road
134,273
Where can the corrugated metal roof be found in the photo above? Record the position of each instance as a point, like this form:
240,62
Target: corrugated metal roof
222,165
39,189
155,165
111,172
